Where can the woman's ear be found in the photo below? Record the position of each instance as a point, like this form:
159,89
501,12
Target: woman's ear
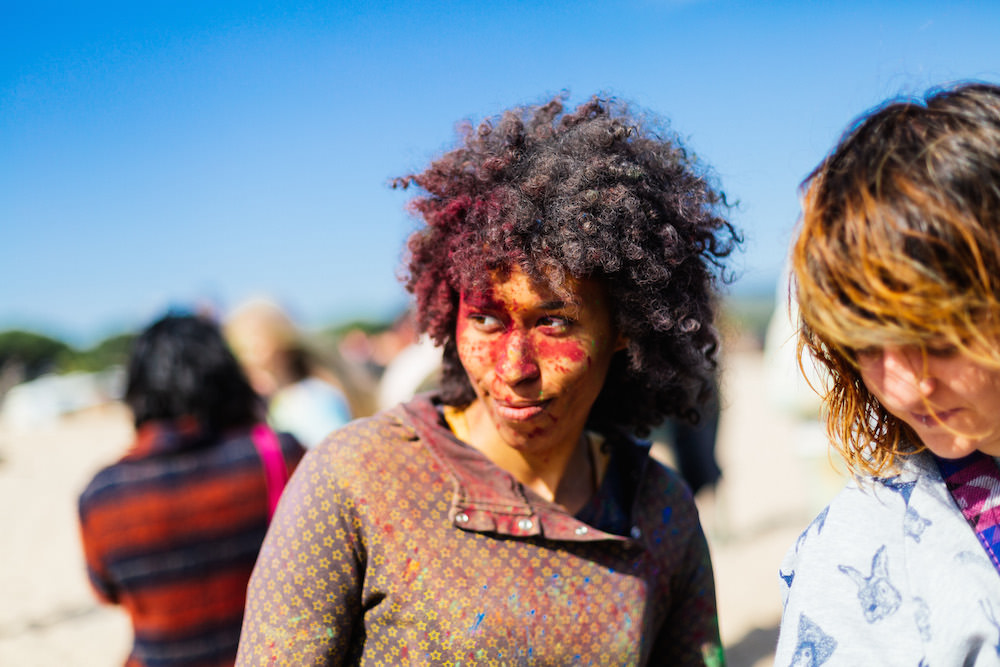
621,342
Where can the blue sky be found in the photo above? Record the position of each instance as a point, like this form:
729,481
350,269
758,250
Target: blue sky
167,153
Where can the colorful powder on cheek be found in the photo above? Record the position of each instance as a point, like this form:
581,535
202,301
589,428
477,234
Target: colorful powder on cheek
564,352
475,353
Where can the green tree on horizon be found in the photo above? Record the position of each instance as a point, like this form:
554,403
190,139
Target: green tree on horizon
26,355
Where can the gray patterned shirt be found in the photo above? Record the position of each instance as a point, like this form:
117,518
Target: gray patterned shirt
890,574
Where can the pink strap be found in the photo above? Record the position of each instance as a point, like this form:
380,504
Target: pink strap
275,472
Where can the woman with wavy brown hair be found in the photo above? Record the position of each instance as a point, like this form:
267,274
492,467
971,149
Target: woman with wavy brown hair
897,277
566,266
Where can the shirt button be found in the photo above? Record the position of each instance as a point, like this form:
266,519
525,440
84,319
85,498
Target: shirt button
461,517
635,532
525,524
581,530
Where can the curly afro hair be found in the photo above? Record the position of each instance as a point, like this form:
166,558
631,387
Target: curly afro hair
594,193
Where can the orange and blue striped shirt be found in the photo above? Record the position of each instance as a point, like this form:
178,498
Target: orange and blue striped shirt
171,532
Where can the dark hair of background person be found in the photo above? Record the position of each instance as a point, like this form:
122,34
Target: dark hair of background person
598,192
181,367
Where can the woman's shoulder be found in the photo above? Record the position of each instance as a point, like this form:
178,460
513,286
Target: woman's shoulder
102,485
369,460
887,557
655,481
662,481
865,506
165,469
374,441
875,523
657,491
368,434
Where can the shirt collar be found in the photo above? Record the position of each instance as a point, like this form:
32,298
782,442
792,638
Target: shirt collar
488,499
160,437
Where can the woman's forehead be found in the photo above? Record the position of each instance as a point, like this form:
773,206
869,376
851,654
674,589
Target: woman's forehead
553,292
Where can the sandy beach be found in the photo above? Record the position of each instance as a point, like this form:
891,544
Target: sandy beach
774,482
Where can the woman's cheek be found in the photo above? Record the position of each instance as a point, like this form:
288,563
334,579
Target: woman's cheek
475,355
566,357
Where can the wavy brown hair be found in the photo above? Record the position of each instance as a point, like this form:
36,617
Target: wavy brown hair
597,192
899,244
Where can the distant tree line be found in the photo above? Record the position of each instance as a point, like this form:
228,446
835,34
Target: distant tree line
25,355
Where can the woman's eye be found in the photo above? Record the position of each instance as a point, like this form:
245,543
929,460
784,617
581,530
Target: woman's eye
484,322
867,353
943,351
555,324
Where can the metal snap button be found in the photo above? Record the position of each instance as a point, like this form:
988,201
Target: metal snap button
581,530
525,524
635,532
461,517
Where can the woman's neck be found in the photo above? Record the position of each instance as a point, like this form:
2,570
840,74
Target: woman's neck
563,473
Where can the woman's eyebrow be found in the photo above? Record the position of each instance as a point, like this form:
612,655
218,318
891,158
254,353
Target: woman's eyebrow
480,300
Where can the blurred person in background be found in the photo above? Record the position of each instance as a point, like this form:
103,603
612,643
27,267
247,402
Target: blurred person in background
171,531
690,447
415,366
567,269
897,279
304,397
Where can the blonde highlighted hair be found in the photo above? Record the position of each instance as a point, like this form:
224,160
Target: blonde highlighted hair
899,244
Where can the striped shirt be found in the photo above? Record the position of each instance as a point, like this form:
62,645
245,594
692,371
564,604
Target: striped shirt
171,533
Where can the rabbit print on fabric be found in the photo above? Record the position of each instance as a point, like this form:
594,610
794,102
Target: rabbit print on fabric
814,646
879,598
889,573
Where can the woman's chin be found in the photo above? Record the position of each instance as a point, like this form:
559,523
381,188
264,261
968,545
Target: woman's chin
950,447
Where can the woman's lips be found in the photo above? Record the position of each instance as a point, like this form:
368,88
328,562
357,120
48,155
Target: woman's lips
934,419
519,411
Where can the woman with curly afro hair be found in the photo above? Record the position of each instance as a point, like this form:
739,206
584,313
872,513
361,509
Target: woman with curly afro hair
567,268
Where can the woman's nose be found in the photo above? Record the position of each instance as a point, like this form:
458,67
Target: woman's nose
518,362
905,372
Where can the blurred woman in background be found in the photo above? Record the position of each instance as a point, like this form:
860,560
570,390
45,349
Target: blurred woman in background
304,397
171,531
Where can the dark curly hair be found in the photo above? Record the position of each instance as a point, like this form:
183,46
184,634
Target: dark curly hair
598,192
180,367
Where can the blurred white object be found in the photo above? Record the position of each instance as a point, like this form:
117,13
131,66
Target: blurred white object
409,372
43,401
788,389
309,409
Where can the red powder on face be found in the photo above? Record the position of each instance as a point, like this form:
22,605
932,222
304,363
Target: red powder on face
570,350
479,301
536,359
532,346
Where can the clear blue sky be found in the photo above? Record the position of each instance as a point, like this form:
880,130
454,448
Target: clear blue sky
157,153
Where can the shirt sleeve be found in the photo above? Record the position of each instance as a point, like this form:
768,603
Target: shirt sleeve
845,588
305,595
690,634
93,553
